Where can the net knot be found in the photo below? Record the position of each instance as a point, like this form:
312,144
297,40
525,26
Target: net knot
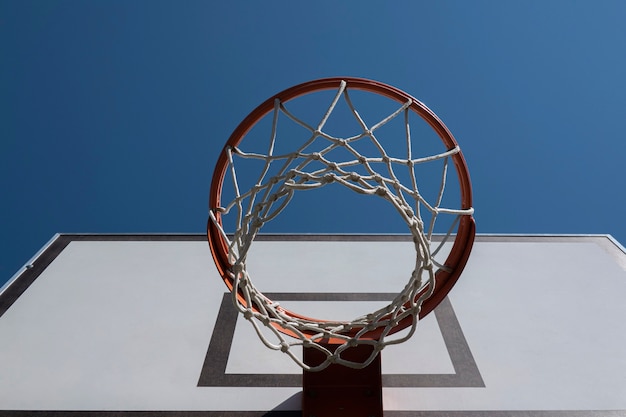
416,223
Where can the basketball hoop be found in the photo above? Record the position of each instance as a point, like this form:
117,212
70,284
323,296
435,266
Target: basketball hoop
303,169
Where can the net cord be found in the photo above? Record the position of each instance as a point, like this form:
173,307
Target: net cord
269,196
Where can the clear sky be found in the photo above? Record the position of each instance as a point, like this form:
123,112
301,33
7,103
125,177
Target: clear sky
112,113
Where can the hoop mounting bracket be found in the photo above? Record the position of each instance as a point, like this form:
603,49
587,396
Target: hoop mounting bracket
342,391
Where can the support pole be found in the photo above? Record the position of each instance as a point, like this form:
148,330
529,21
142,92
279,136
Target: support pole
342,391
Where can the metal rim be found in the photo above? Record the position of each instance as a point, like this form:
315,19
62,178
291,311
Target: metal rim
459,254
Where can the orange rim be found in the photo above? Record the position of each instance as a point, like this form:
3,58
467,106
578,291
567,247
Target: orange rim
463,242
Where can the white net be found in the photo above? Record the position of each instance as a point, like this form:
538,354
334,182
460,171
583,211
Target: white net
306,169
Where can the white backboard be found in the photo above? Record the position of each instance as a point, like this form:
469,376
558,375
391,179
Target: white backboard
109,325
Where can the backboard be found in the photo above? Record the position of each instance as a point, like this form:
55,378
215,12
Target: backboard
112,325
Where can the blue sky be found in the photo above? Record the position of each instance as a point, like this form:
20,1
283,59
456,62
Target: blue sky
112,113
